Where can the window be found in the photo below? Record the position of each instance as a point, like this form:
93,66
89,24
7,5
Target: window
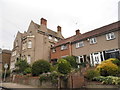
29,44
24,46
79,44
50,37
53,50
110,36
56,39
13,53
93,41
63,47
29,59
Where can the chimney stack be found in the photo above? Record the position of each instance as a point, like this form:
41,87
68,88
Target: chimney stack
78,32
43,21
58,29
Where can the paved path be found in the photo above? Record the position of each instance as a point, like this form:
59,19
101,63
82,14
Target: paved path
15,85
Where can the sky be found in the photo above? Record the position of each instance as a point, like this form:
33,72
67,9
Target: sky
85,15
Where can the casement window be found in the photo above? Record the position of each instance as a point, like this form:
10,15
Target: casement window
29,44
29,59
110,36
93,40
63,47
50,37
79,44
53,50
24,46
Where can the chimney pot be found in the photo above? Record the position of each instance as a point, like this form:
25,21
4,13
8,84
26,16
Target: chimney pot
77,32
58,28
43,21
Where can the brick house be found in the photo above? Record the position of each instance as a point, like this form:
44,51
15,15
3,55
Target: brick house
63,48
5,56
92,47
35,43
98,45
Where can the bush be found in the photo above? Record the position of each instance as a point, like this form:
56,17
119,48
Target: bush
108,80
90,74
39,67
64,66
28,70
72,61
7,73
107,68
21,66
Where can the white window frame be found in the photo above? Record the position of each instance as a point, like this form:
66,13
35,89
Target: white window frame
63,47
79,44
56,39
93,40
29,44
50,37
28,59
53,50
110,36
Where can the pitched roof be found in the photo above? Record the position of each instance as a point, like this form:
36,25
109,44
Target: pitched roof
105,29
65,41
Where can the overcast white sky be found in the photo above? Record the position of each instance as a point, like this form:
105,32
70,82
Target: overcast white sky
15,15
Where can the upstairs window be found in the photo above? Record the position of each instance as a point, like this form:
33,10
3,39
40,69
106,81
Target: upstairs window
29,44
56,39
24,46
79,44
50,37
53,50
93,40
63,47
110,36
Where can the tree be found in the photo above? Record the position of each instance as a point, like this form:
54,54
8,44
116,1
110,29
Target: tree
21,65
64,66
72,61
39,67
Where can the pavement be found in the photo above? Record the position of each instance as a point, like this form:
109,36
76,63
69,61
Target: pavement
15,85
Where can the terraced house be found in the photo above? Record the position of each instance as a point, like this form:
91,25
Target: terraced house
96,45
35,43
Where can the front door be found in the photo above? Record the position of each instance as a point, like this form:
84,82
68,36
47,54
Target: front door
96,58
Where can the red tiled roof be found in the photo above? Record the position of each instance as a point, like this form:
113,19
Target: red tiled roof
98,31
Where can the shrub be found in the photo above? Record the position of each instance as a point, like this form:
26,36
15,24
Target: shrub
64,66
107,68
7,73
21,65
117,62
72,61
27,70
39,67
90,74
108,80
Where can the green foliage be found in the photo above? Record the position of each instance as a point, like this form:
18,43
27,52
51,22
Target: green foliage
108,80
7,73
108,68
39,67
90,74
21,65
64,66
117,62
72,61
27,70
53,77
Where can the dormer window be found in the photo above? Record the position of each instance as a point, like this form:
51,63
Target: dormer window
93,40
110,36
63,47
